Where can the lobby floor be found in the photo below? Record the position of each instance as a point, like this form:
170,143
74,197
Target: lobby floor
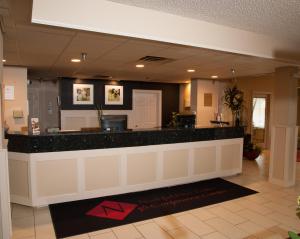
268,214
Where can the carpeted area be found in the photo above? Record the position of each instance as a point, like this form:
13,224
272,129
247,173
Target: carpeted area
78,217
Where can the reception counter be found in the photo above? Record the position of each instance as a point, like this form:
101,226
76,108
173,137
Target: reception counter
59,167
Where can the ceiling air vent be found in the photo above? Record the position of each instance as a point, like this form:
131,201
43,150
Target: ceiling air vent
156,59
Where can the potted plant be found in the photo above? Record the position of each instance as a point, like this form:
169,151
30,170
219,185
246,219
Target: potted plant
99,114
294,235
234,99
174,122
250,150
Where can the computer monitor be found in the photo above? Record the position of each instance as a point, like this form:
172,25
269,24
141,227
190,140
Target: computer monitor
186,120
114,122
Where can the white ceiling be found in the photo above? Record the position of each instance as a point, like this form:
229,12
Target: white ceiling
47,51
279,18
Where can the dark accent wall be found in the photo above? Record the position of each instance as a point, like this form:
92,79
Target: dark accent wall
170,95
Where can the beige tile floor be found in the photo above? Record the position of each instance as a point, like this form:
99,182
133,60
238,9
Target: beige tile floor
266,215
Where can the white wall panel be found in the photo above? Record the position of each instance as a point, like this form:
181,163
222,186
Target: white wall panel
73,175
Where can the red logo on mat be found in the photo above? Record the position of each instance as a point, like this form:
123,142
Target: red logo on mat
112,210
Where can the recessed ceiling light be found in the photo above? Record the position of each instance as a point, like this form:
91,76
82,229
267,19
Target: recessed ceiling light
3,60
139,66
214,77
75,60
190,70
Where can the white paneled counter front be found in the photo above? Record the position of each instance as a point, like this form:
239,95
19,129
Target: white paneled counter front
42,178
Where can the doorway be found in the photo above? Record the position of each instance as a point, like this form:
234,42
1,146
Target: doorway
147,107
261,120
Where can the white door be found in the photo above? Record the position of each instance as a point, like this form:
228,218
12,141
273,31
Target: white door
146,106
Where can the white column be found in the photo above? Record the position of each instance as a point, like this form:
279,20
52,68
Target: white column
284,130
5,215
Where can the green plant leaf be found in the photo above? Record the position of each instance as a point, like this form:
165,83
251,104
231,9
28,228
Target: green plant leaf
233,98
293,235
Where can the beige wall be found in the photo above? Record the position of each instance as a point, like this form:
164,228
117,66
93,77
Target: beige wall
1,138
17,77
298,107
207,113
285,96
254,85
1,96
185,97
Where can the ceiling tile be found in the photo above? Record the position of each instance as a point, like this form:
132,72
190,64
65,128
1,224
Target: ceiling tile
41,43
94,46
132,51
12,58
10,46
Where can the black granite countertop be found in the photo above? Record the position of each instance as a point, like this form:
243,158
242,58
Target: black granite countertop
83,140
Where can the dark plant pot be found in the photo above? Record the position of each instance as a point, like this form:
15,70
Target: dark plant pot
237,122
251,155
236,119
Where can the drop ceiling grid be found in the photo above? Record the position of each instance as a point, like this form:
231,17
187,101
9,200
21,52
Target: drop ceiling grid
49,50
67,67
124,56
133,50
41,48
18,59
93,56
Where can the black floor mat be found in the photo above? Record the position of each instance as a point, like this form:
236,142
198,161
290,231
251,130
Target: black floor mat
73,218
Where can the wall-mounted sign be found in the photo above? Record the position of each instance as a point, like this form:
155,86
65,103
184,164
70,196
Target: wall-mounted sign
83,94
113,95
18,114
208,98
9,92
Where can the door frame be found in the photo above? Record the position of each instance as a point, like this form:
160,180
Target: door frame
268,120
159,97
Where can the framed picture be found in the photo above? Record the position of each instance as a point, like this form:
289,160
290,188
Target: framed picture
113,95
83,94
